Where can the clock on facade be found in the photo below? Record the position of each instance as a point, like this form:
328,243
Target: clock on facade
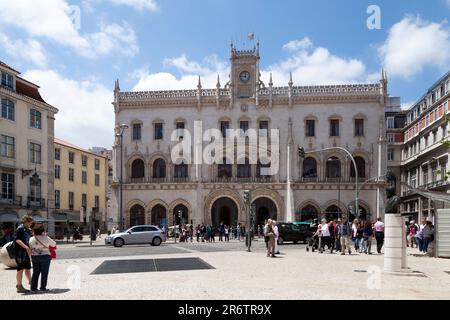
244,76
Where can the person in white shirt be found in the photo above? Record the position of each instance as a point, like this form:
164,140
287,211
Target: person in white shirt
277,234
40,256
379,234
326,237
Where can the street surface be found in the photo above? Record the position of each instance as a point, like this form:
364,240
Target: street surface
237,274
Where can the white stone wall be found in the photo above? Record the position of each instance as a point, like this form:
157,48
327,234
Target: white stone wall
148,149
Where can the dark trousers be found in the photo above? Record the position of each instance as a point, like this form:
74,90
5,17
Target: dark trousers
326,241
420,241
425,243
41,266
198,237
379,236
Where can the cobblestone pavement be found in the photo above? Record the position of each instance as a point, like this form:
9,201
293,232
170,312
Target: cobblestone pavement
295,274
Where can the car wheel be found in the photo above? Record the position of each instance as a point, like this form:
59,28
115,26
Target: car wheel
156,241
118,242
280,240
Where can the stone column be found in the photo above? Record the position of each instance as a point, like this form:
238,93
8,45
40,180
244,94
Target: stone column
394,244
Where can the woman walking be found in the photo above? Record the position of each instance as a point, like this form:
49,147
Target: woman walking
40,255
23,252
367,235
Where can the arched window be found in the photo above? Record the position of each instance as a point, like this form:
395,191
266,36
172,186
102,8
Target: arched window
309,168
333,212
224,169
333,167
244,169
137,169
159,168
181,170
360,165
309,213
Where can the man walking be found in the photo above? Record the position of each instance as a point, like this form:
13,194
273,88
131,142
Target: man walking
344,234
271,239
379,234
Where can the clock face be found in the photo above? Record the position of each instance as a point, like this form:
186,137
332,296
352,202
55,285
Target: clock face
244,76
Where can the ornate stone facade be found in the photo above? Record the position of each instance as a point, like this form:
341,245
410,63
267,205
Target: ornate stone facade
314,117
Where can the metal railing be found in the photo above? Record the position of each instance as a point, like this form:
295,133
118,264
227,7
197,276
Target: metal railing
10,200
37,203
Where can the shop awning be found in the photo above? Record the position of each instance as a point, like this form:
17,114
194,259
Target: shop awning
38,218
9,216
63,217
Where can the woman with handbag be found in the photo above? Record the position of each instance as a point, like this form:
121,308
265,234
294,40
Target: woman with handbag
41,248
22,252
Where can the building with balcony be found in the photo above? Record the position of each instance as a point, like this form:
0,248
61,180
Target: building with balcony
395,122
26,149
424,157
161,190
81,182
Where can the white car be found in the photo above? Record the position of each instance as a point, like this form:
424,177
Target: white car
137,235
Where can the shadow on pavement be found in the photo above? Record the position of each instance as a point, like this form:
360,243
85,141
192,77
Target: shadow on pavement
51,291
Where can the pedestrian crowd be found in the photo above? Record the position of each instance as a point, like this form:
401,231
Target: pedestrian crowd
342,236
208,233
419,235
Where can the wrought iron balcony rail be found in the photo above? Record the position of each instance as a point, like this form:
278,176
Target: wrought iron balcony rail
37,203
8,199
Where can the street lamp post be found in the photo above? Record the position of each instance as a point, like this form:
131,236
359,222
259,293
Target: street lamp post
338,177
121,128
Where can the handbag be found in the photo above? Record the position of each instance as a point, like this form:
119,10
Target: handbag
52,249
11,249
52,252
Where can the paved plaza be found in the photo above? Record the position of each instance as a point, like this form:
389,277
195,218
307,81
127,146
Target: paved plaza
236,274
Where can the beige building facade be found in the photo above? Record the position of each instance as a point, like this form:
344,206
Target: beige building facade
157,190
26,155
81,182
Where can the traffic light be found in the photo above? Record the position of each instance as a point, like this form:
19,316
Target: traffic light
301,152
247,196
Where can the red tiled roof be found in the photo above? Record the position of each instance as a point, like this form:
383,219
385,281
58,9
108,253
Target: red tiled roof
6,66
23,88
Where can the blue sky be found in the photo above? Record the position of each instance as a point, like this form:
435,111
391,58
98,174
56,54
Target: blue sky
157,44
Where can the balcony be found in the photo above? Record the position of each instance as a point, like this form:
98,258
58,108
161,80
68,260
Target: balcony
35,203
7,199
262,179
434,184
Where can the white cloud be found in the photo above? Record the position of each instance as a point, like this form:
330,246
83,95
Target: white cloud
373,77
112,37
413,44
309,66
314,65
407,105
208,69
296,45
139,5
54,20
86,115
29,50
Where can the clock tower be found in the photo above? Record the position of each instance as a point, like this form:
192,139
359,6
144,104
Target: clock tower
244,76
